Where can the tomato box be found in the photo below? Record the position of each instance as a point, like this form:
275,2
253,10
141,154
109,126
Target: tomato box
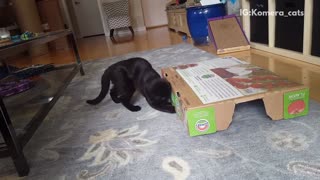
205,93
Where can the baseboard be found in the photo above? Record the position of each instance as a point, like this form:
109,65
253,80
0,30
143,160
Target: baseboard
140,28
127,31
153,27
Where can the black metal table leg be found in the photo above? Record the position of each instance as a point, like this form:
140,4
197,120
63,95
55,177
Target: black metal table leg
76,52
38,118
13,145
6,65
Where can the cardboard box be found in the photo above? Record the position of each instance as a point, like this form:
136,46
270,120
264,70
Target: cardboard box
205,93
227,35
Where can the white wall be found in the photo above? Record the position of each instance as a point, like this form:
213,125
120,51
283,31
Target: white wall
154,12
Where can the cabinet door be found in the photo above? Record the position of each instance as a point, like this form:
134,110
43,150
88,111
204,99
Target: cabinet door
172,22
179,17
316,29
184,23
289,30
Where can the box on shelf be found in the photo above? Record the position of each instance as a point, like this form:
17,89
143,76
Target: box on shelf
205,93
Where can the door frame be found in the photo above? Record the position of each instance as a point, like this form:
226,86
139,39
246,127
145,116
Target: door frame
106,29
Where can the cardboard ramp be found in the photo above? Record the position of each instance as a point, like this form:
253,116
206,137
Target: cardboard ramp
205,93
227,35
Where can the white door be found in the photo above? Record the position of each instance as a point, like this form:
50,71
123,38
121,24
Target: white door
154,12
88,17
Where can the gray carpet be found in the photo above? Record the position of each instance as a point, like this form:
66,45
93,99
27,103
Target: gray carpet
79,141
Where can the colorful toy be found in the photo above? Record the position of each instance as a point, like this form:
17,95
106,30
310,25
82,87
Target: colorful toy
28,35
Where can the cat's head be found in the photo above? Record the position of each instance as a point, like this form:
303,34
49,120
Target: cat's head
160,91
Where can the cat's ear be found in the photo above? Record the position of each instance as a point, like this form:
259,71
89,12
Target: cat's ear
160,86
165,83
169,84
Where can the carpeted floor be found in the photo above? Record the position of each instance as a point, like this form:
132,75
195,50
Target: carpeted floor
79,141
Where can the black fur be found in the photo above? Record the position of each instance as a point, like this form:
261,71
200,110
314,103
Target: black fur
135,74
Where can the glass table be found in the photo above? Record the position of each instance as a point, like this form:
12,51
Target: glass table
15,141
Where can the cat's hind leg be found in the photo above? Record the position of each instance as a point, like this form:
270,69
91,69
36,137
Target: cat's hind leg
114,96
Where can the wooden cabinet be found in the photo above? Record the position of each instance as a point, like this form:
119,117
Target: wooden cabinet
28,19
177,20
50,15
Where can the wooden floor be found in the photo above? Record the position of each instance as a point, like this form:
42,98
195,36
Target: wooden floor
101,47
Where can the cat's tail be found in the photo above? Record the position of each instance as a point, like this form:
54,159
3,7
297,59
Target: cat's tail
105,83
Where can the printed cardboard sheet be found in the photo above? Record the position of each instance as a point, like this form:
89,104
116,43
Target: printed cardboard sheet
208,86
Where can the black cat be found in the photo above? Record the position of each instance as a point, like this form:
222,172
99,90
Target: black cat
135,74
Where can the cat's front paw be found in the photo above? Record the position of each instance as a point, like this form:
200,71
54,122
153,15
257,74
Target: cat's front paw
135,108
172,110
169,109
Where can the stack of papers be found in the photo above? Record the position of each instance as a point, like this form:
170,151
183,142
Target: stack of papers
209,2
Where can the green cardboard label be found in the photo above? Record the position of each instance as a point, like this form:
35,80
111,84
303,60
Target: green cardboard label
201,121
175,102
174,99
296,104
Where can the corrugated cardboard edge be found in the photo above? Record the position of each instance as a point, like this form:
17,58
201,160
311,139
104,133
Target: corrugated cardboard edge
224,111
274,102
